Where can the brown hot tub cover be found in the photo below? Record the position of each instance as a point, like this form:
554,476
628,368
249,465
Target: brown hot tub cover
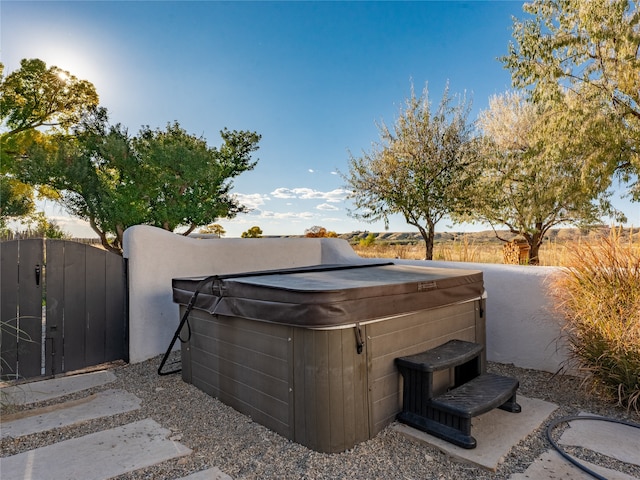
325,296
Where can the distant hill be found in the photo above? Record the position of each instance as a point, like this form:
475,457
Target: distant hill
559,235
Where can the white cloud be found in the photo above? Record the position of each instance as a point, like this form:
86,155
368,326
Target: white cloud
76,227
283,193
327,207
309,193
251,200
286,215
311,170
336,195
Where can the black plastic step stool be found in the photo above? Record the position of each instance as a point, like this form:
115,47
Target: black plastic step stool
448,416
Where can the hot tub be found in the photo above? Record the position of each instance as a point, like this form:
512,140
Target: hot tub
309,353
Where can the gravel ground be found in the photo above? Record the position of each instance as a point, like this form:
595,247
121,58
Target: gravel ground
221,437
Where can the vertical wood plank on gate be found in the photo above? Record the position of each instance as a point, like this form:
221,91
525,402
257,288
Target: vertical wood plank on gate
30,298
9,308
55,307
95,285
115,315
74,306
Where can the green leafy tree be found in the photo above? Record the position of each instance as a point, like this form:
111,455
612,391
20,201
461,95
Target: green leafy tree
589,49
526,186
16,198
32,98
166,178
253,232
420,168
36,96
213,229
187,183
368,241
90,168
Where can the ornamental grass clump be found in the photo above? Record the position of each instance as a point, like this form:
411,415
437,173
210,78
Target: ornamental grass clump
599,295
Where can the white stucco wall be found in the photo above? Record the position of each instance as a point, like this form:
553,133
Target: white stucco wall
521,326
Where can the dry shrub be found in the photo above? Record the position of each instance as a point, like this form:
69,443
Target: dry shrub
459,250
599,294
384,250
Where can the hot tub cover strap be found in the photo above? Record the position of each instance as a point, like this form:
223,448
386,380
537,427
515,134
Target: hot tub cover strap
359,338
184,320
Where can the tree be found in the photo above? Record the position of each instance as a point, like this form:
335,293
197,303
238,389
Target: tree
319,232
253,232
166,178
592,50
368,240
37,96
526,186
31,98
188,183
37,225
213,229
90,168
419,169
16,198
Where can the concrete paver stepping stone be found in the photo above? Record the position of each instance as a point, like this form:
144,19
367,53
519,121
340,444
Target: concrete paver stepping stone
56,387
102,404
609,438
496,432
551,465
211,474
97,456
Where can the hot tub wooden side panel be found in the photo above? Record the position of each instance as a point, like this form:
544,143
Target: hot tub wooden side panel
245,364
330,390
312,386
407,335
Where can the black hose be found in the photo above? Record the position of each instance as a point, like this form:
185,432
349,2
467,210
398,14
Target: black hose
568,457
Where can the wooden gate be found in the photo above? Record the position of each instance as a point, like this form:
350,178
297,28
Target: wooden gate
62,306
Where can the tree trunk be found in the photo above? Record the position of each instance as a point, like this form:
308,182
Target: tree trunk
534,240
103,238
533,254
428,234
191,228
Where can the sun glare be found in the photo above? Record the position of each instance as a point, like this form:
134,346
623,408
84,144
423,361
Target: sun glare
70,62
79,63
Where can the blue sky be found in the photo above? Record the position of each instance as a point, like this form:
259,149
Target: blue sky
312,78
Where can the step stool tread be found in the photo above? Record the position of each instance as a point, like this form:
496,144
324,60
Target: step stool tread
447,355
477,396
